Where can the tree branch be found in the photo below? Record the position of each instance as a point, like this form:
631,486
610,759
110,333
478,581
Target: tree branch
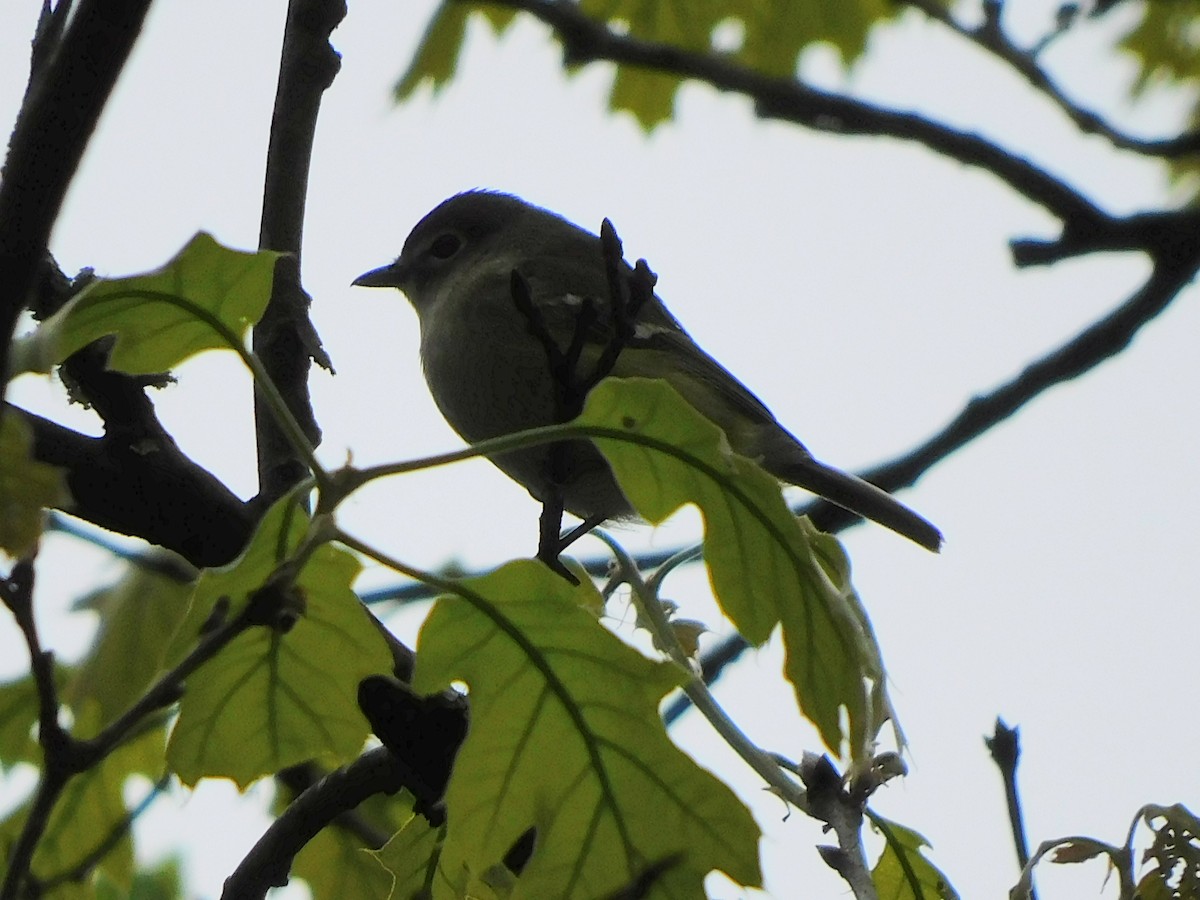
1101,340
67,92
16,592
269,862
298,779
992,38
284,339
628,291
586,40
1005,748
154,492
830,802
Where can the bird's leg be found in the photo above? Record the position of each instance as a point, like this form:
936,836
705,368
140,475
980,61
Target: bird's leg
550,523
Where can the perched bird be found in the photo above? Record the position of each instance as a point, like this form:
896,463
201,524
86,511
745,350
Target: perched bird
488,365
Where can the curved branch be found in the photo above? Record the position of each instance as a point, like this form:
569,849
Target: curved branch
1100,341
991,38
270,860
586,40
150,490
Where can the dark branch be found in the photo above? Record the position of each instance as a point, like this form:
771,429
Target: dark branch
563,370
16,592
269,862
285,339
152,491
992,38
628,291
1169,236
69,87
1005,748
298,779
1096,343
587,40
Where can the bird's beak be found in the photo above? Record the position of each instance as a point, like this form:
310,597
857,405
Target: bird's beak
391,275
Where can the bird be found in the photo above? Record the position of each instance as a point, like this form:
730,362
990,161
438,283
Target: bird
488,357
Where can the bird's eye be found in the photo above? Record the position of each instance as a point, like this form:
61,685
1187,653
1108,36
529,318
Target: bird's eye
445,246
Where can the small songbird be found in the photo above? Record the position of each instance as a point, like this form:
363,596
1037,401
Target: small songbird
487,366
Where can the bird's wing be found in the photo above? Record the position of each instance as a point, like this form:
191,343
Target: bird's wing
659,348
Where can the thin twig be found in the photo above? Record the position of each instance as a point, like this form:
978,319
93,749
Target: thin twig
650,609
628,294
93,858
993,39
562,369
831,803
1005,747
16,591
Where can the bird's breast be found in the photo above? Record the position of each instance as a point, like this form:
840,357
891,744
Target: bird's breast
486,373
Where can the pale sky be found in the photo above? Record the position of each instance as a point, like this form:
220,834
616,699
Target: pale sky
862,287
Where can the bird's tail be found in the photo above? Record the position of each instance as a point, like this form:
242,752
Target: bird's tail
860,497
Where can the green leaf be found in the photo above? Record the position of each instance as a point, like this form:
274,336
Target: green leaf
688,24
138,615
27,487
1163,41
1154,886
271,698
162,882
903,872
441,46
565,737
765,565
206,298
336,864
773,35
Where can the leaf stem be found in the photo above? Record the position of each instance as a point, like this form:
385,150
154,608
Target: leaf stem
652,612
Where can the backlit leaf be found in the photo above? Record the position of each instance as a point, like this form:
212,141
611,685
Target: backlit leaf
565,737
766,567
273,698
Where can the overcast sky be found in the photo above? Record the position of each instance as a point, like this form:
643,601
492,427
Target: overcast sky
861,287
